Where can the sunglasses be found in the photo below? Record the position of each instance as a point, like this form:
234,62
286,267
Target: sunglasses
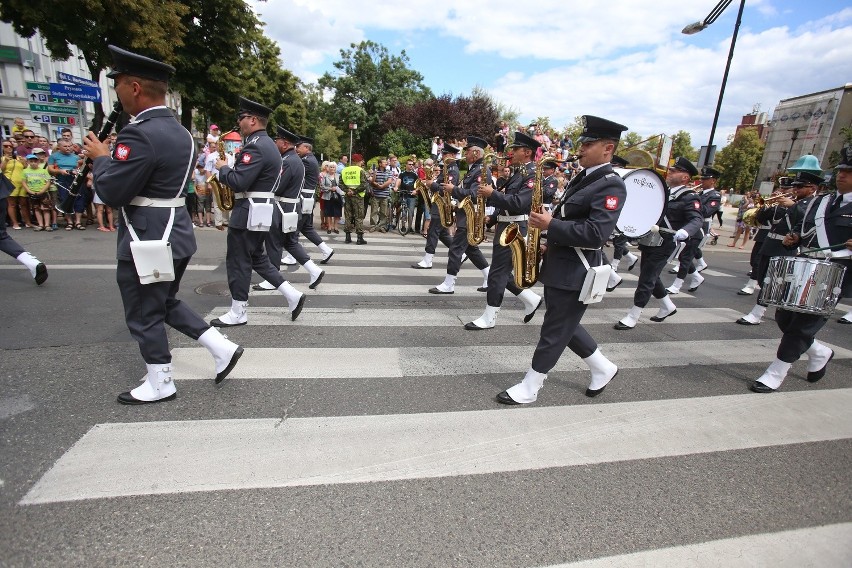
28,136
240,117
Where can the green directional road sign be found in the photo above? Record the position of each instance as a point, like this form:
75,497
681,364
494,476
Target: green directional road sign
52,109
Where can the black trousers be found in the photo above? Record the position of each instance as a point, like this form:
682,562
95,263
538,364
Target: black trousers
799,331
437,232
652,264
306,227
686,256
148,307
245,253
619,246
500,276
561,328
7,244
277,242
459,246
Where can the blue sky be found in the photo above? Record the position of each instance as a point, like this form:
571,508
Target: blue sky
625,60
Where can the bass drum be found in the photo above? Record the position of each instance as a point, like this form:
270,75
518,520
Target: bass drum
647,195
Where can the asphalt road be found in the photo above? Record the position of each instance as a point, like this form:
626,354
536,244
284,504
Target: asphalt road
366,434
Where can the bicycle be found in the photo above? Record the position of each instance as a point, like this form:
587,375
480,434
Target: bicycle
403,221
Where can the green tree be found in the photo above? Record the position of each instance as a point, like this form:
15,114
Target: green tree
573,129
682,146
401,142
740,161
150,27
368,83
630,139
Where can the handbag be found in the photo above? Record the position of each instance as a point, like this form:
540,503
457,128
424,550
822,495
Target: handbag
594,285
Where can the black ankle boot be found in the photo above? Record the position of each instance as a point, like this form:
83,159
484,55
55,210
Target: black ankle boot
361,240
348,238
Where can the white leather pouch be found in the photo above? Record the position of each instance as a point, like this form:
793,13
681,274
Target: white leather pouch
307,205
259,216
289,222
594,285
153,260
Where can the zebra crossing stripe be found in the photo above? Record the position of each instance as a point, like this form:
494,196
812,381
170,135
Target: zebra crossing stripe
366,290
144,458
195,363
442,317
814,546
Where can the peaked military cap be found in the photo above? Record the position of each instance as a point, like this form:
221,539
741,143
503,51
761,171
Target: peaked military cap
285,134
807,178
685,165
449,149
128,63
785,181
845,159
549,164
475,141
707,172
595,128
255,109
524,141
305,140
619,162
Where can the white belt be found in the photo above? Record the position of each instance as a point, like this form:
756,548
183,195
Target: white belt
140,201
511,218
708,219
254,195
288,199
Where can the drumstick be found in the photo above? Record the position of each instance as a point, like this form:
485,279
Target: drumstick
831,247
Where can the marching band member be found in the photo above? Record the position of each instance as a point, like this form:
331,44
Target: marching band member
512,204
682,218
581,224
711,203
692,251
297,187
9,245
778,217
825,221
255,178
437,231
473,153
146,178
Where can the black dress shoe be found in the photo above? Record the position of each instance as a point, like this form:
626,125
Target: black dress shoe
622,326
616,286
629,268
127,398
219,323
592,393
741,293
694,288
438,291
815,376
656,319
844,321
673,270
470,326
418,267
743,321
41,273
298,309
313,285
326,259
234,358
760,387
504,398
485,289
530,315
260,288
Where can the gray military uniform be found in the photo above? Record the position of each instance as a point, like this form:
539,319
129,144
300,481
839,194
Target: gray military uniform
436,230
459,245
151,159
257,168
288,193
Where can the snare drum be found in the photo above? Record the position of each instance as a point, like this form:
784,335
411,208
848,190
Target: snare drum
800,284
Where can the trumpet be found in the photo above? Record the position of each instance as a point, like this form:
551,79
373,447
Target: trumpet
777,197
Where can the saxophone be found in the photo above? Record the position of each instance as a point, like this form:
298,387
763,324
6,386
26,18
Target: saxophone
526,253
222,193
476,211
444,203
421,187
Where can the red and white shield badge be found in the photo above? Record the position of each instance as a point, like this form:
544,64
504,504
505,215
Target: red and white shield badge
697,205
246,158
712,204
611,202
530,184
122,152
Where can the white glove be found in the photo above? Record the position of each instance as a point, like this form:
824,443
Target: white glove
681,235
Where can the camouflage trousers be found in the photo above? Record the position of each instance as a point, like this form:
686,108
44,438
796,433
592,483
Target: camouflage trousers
353,212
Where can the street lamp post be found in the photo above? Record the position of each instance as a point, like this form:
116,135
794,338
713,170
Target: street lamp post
694,29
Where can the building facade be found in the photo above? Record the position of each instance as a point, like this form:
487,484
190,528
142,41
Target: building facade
807,124
26,70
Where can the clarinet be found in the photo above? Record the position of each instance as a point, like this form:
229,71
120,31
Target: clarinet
66,206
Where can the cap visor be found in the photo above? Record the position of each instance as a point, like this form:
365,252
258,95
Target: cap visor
113,74
584,139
